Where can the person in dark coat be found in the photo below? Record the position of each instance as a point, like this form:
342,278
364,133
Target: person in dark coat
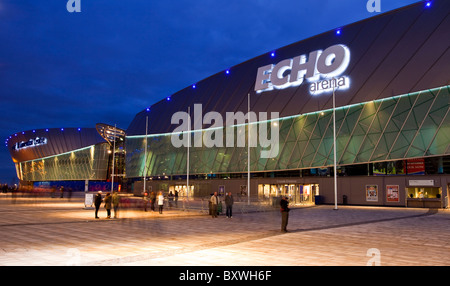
115,203
152,200
284,204
171,197
108,201
97,202
229,204
176,198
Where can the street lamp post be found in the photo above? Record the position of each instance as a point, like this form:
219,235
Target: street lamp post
248,153
145,153
187,151
114,158
334,152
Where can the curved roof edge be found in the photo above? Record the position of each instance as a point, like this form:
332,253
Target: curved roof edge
396,52
40,143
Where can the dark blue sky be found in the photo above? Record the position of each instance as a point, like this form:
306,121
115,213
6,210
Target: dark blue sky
114,58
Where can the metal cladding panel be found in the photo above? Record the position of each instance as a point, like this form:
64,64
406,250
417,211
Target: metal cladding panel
432,77
394,53
58,141
384,82
429,58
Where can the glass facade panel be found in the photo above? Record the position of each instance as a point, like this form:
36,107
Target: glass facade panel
89,163
401,127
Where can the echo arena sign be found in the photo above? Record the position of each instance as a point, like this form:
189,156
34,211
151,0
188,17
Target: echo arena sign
323,69
30,143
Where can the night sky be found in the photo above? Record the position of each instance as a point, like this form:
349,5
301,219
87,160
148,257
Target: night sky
117,57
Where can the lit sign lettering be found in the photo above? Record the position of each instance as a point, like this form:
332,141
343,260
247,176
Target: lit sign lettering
328,64
325,85
30,143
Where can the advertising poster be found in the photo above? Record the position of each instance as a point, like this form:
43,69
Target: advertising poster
372,193
379,168
244,190
416,166
392,193
221,190
396,168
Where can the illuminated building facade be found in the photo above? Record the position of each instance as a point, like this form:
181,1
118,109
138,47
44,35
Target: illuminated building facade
77,158
389,77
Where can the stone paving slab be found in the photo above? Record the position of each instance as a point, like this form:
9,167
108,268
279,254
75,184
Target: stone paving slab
61,232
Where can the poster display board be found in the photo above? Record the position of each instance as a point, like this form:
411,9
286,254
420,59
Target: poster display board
371,193
392,193
88,200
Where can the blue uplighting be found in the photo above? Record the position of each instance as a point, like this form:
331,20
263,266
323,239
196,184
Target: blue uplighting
148,109
272,54
62,129
194,86
168,98
227,71
79,129
46,130
428,4
338,31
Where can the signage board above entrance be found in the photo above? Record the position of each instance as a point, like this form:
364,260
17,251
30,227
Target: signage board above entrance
321,68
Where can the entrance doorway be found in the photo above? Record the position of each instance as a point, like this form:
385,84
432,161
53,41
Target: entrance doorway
298,194
182,190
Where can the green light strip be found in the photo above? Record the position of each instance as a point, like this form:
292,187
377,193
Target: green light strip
65,153
291,116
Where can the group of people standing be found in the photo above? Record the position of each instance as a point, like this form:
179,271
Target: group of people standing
110,201
152,198
215,205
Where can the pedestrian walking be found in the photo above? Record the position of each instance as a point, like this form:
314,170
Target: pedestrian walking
284,204
69,195
214,203
152,200
210,205
97,202
160,202
108,201
171,197
146,200
229,201
115,202
176,198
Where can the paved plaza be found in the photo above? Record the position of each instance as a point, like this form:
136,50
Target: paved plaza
58,231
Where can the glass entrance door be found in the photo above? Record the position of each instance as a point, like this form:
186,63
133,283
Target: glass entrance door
182,190
297,193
